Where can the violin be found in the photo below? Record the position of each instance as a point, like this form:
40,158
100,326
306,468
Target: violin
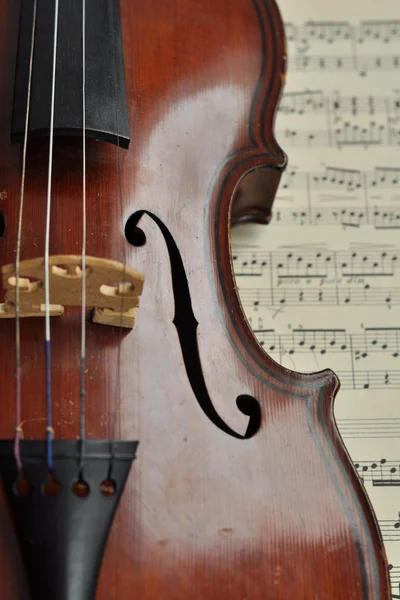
150,448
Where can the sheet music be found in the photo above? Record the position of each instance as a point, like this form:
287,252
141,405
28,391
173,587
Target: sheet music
321,284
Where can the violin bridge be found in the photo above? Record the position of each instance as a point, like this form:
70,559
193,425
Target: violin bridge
112,289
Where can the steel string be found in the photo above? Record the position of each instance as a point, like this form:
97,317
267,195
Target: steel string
84,227
49,428
18,423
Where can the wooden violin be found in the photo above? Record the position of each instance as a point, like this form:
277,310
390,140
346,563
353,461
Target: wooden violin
150,448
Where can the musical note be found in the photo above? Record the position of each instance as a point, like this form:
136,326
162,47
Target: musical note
380,473
373,31
379,339
334,177
386,218
342,179
319,263
384,177
268,340
368,264
304,102
325,31
363,345
248,265
314,40
312,102
390,529
347,353
354,120
339,186
315,340
347,63
395,580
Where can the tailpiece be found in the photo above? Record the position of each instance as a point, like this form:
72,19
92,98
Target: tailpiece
62,524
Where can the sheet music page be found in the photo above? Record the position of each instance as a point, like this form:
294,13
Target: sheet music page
321,284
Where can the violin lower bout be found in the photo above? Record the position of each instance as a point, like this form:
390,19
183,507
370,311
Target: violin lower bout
278,517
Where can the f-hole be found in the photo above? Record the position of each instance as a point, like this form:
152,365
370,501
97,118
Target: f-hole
186,326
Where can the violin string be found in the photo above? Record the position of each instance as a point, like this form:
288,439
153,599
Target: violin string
18,429
83,330
119,357
49,428
121,204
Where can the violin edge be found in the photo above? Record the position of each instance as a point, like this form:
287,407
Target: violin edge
246,191
255,194
377,585
247,188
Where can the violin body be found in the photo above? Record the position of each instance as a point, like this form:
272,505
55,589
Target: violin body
214,507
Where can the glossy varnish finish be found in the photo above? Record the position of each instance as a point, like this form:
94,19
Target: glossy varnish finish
204,515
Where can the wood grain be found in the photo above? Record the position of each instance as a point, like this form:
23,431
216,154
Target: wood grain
276,517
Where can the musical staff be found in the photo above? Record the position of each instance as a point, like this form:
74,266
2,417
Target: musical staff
304,277
337,196
382,218
256,298
376,428
331,32
395,580
308,102
368,47
334,341
349,355
343,180
347,63
349,135
302,263
380,473
390,529
312,119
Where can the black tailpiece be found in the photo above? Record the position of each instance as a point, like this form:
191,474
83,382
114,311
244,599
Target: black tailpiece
62,537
